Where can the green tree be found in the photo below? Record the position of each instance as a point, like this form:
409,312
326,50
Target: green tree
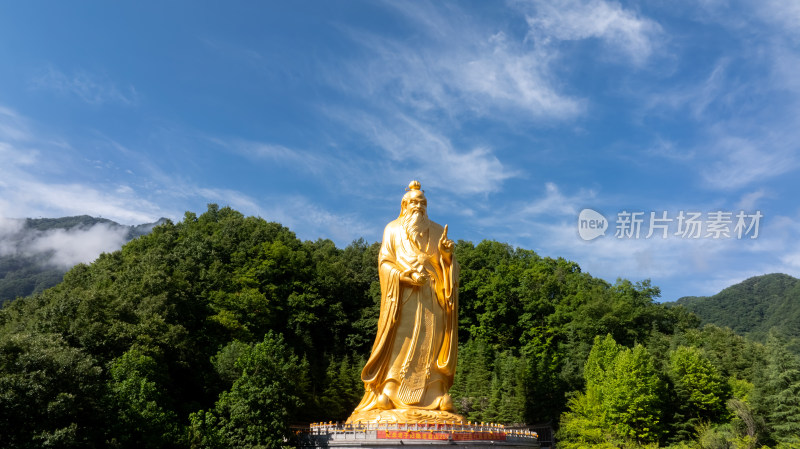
777,392
587,420
544,386
699,390
508,389
50,393
623,397
633,396
584,424
137,394
471,390
343,388
258,408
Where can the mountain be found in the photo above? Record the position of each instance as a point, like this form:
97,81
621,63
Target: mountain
35,253
204,330
753,307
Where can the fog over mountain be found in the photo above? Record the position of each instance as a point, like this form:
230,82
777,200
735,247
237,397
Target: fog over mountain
35,253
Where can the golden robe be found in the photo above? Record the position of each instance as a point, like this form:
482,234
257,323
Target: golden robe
413,359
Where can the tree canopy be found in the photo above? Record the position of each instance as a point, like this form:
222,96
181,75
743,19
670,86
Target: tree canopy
223,331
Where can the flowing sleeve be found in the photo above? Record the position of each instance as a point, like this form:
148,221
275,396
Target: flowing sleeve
376,367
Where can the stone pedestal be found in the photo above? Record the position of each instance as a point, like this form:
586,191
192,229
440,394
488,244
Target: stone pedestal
418,436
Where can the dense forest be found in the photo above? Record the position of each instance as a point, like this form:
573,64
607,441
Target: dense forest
24,272
223,331
754,308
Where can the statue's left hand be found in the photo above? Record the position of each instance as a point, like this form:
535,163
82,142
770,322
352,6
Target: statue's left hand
445,245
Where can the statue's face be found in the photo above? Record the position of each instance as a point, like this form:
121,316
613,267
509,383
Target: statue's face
416,203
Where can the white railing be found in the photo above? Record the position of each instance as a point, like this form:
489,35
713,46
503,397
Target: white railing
370,430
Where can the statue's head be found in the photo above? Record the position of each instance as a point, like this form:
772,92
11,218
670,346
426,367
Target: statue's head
414,200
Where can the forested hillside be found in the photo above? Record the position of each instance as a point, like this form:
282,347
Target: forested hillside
754,307
223,330
27,268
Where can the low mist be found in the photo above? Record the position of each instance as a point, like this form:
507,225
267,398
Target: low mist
60,247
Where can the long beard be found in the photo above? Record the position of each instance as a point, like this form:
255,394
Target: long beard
415,223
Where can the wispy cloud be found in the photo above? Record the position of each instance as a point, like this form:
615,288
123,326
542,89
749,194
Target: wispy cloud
556,203
24,192
34,169
91,88
623,31
547,223
742,161
668,149
309,220
299,159
13,128
419,151
780,12
750,200
464,68
418,92
715,91
27,196
748,132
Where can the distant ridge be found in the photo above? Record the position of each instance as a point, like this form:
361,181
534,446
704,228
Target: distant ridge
753,307
23,273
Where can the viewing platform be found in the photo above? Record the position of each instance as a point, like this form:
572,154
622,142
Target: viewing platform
416,435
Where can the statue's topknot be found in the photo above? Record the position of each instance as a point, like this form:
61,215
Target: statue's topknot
413,185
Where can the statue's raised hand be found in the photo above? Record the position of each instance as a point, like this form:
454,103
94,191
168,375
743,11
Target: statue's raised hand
445,245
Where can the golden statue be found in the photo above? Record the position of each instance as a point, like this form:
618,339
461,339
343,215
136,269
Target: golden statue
413,358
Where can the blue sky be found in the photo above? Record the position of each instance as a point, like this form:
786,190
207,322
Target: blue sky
514,116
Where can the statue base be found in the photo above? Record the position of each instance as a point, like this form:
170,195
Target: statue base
415,436
409,416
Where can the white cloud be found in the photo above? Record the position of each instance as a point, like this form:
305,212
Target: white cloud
512,78
687,266
9,227
298,159
60,247
311,221
419,90
785,13
698,97
227,197
12,126
418,151
750,200
748,130
620,29
682,266
463,68
556,203
741,161
78,245
91,88
25,196
32,184
785,63
670,150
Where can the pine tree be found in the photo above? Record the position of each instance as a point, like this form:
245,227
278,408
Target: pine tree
471,389
777,392
508,391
